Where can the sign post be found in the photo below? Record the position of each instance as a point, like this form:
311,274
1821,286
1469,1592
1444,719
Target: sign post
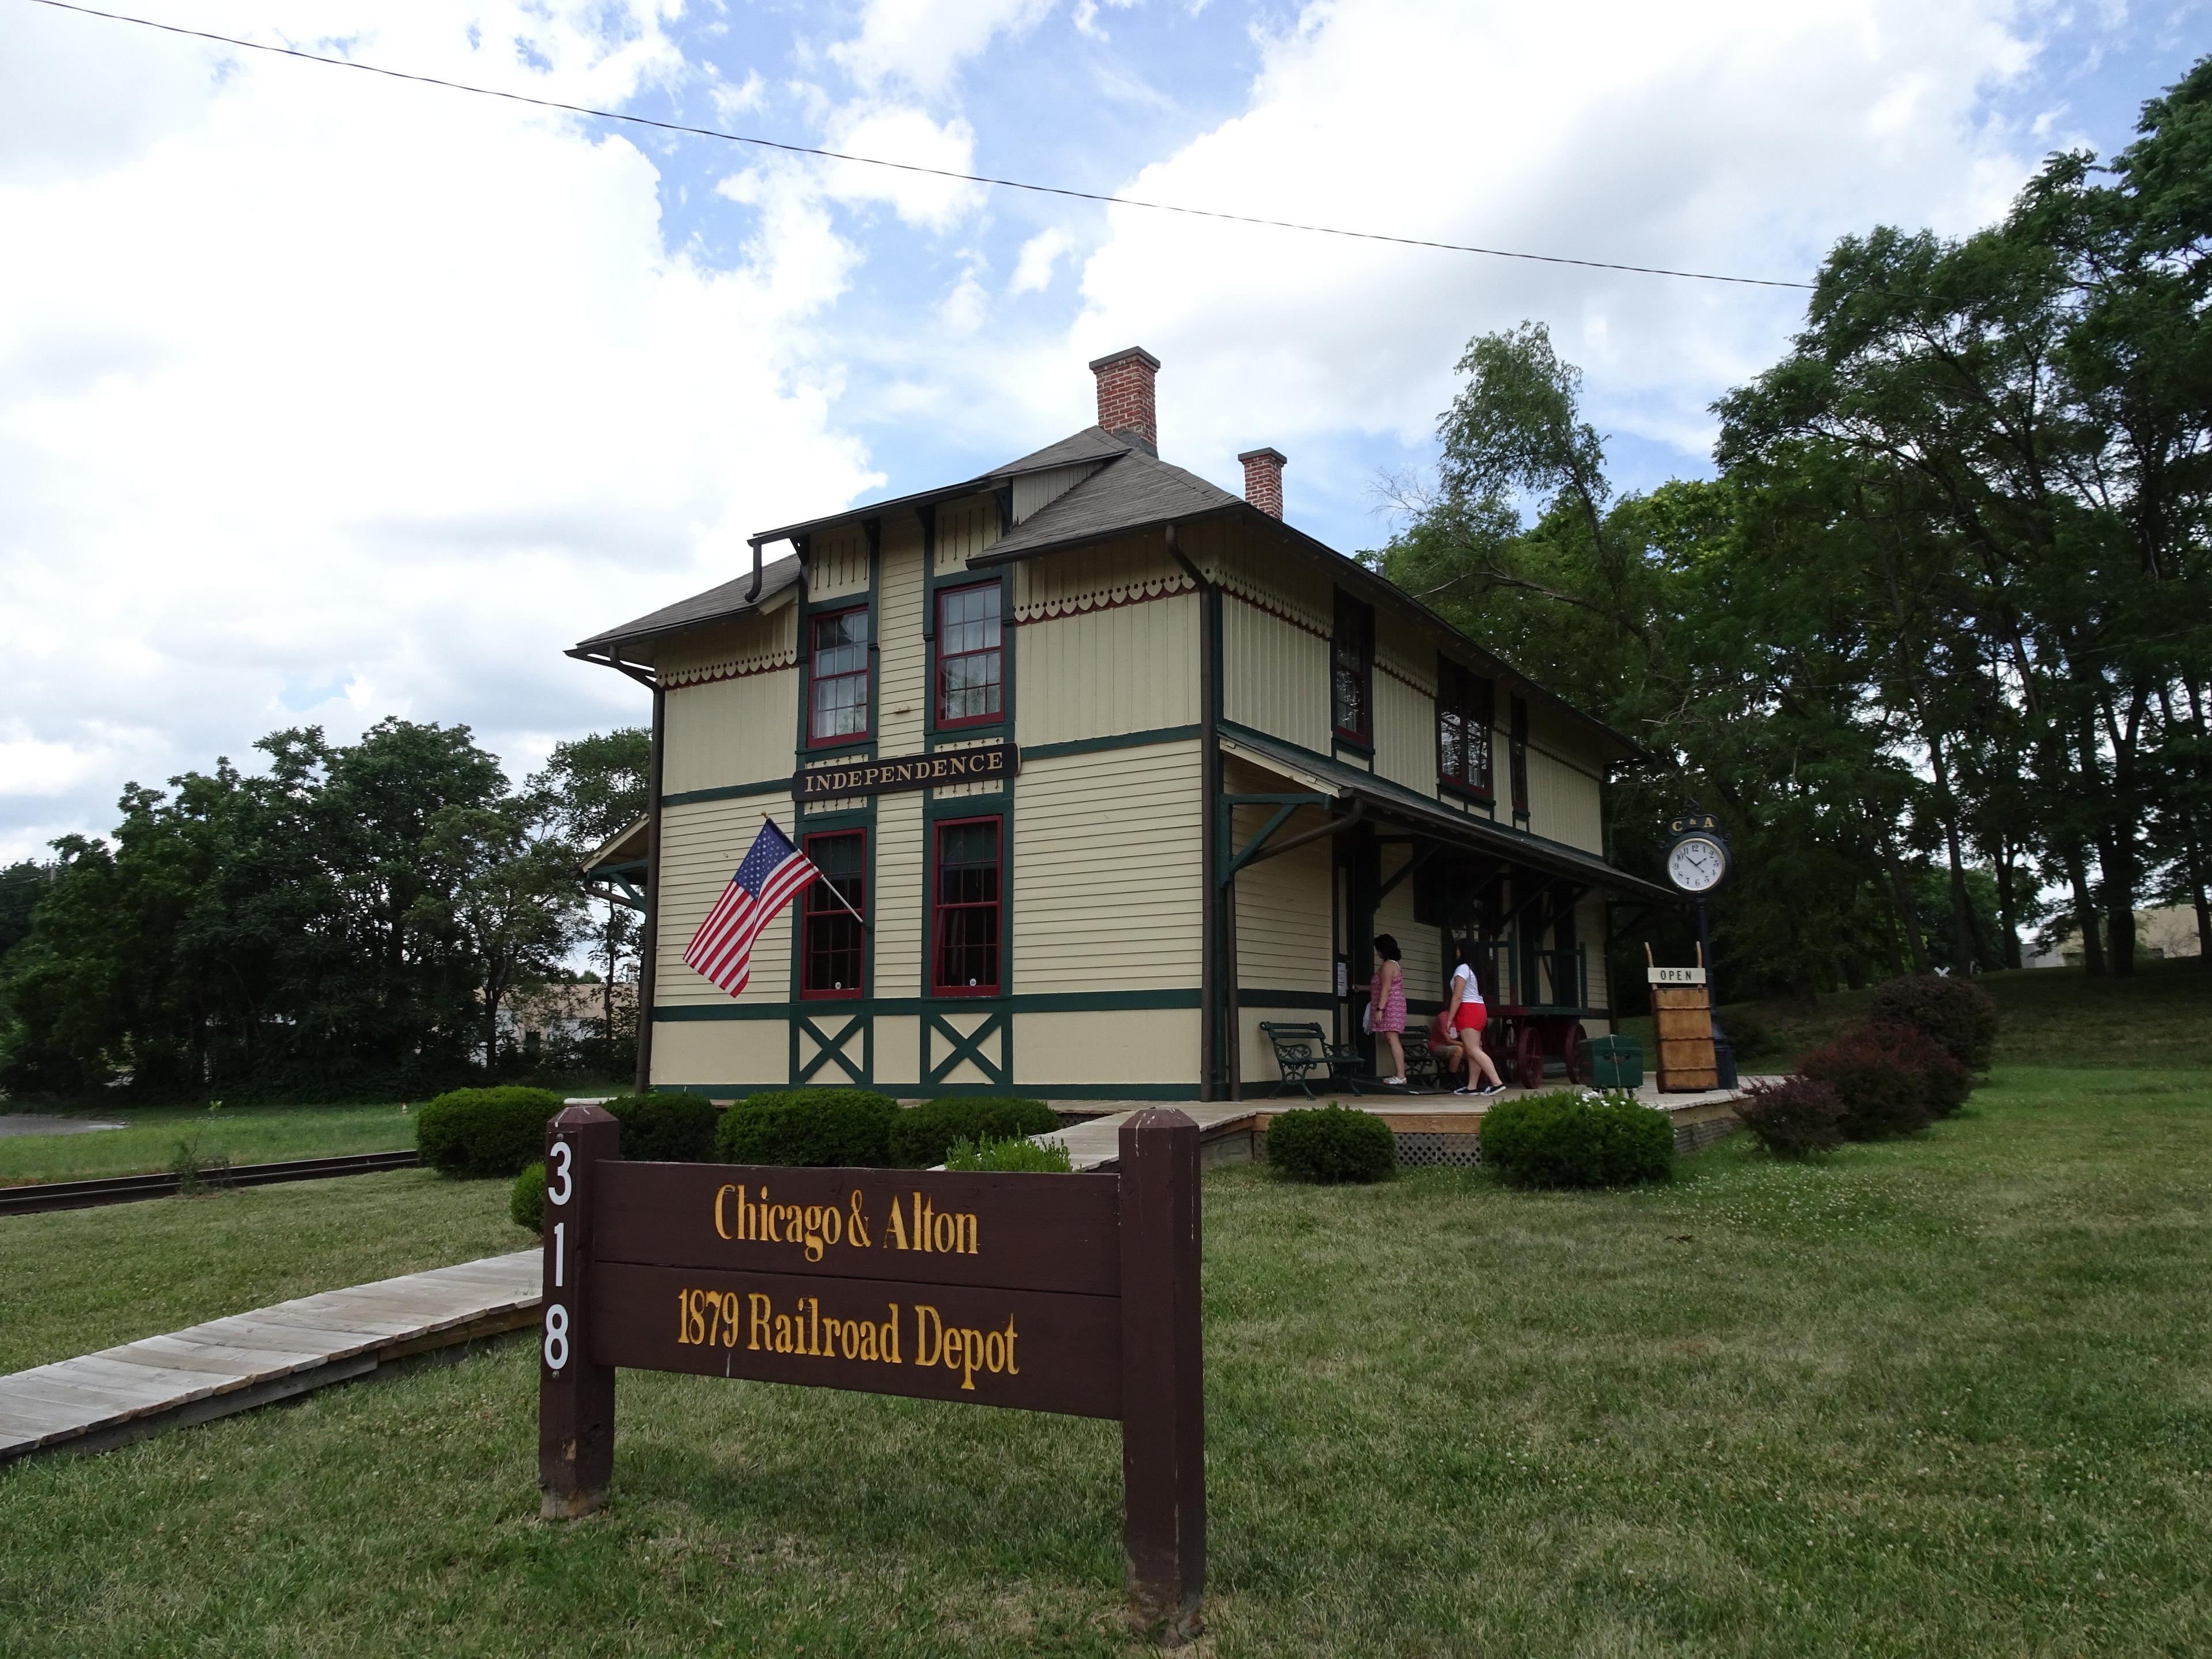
1077,1294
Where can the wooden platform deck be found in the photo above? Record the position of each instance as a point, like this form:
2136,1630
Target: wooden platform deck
120,1394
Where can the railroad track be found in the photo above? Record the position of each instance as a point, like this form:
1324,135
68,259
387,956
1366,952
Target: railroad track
124,1189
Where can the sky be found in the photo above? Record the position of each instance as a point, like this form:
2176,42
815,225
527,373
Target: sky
325,397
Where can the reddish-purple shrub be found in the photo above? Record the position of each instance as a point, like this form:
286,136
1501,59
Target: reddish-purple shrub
1954,1011
1884,1091
1793,1117
1948,1083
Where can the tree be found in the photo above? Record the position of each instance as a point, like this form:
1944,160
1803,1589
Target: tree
597,788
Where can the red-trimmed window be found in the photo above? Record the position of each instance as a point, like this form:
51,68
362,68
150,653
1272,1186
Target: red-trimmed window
1352,661
1467,709
838,677
970,662
833,950
963,875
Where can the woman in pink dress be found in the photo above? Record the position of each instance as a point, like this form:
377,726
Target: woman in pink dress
1386,1004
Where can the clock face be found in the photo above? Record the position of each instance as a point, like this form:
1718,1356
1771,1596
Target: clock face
1696,864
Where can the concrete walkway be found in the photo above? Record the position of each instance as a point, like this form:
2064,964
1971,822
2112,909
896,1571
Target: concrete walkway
120,1394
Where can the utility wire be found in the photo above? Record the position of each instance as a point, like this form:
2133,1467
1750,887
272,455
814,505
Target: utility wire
913,167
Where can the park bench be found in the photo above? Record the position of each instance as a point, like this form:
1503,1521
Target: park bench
1303,1050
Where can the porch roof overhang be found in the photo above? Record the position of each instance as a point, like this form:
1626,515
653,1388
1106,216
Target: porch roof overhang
616,870
1381,802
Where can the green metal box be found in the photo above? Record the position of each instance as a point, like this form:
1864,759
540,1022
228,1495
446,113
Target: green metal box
1613,1062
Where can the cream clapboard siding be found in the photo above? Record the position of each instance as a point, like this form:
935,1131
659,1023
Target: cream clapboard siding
837,563
964,528
700,846
1423,946
1589,932
1105,672
901,653
1274,674
1118,1046
900,875
1564,802
736,1055
729,732
1283,912
1107,872
1035,491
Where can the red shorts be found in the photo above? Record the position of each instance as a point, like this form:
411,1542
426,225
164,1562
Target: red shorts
1473,1016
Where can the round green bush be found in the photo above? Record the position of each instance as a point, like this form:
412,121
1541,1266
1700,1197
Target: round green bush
1331,1144
526,1204
1795,1117
921,1135
1953,1011
1565,1137
484,1133
810,1128
665,1128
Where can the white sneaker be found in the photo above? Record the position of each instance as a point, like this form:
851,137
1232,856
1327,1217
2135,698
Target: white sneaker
1394,1082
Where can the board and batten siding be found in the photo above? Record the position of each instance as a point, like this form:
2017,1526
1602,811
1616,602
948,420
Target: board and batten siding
729,732
837,563
701,843
1105,672
1565,802
1107,879
901,653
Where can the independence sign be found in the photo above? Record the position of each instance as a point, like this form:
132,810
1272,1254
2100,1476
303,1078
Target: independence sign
988,764
1075,1294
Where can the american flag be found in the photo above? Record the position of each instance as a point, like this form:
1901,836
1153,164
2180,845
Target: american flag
772,874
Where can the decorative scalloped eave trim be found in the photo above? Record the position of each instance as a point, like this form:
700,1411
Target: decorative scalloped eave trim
737,668
1109,598
1405,678
1275,610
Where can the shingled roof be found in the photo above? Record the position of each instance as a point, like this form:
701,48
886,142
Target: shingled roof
1134,492
727,600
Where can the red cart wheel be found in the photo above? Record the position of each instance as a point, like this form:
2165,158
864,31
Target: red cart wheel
1528,1058
1573,1053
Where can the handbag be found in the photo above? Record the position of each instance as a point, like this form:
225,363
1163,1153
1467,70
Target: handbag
1367,1017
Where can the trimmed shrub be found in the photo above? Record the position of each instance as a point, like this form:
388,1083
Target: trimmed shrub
1016,1155
1331,1144
1884,1087
809,1129
484,1133
666,1129
1945,1082
1794,1118
921,1134
1955,1012
526,1204
1567,1138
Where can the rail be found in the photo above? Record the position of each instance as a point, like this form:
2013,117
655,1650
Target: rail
41,1195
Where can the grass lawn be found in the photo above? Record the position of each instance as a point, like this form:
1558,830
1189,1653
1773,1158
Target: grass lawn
1946,1397
82,1279
243,1134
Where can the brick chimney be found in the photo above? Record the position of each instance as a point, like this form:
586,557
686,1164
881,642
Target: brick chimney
1125,395
1263,479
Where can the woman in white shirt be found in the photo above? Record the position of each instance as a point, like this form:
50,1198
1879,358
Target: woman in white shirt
1468,1015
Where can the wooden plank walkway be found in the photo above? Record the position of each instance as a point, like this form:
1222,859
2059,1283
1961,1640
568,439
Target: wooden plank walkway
120,1394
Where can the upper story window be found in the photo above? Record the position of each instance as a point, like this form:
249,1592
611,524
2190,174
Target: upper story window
965,904
1352,661
832,955
970,662
1519,757
1466,709
838,676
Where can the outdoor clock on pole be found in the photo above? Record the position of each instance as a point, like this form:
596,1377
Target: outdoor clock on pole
1698,861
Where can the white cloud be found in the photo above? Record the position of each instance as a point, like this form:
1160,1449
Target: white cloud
923,43
326,398
1033,271
901,133
1733,136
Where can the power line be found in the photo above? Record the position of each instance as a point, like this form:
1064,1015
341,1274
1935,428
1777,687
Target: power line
914,166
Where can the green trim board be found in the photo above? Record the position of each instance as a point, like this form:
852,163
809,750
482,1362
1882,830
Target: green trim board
934,1091
728,792
1041,1002
1157,735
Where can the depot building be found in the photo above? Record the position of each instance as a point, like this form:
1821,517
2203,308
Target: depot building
1115,766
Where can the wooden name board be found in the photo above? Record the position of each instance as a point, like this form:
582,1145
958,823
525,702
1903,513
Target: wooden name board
1075,1294
1681,1009
887,777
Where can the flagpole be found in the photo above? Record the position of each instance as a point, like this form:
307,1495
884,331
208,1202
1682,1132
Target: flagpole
822,877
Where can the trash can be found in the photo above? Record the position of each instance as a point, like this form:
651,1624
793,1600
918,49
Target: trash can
1723,1060
1613,1062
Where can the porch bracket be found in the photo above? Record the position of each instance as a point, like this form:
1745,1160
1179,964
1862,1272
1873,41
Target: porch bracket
1285,807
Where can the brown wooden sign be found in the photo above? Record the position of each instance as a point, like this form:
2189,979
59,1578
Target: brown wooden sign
1076,1294
1681,1012
986,764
